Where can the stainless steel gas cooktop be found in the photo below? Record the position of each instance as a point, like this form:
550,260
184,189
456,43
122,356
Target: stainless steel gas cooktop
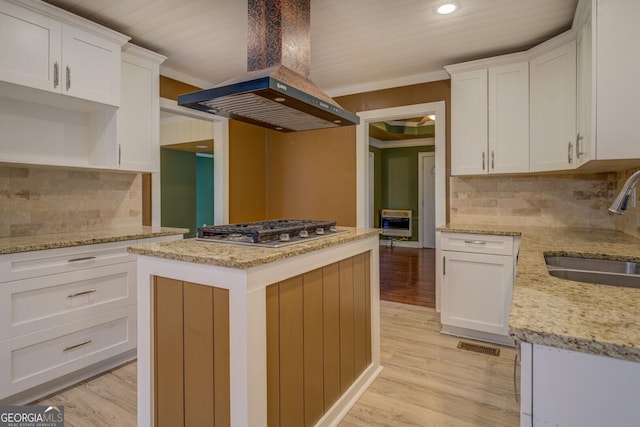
273,234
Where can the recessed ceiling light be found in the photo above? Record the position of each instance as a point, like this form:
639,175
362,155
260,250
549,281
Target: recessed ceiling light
447,8
279,99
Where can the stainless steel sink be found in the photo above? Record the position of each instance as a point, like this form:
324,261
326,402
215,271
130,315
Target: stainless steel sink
594,270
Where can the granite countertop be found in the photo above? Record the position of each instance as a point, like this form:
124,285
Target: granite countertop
586,317
9,245
243,257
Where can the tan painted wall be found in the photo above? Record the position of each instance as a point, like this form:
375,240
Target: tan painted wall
304,174
311,175
247,172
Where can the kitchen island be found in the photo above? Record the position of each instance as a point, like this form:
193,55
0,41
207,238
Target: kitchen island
251,336
580,342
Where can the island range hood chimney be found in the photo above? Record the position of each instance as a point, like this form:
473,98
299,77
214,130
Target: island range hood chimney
276,92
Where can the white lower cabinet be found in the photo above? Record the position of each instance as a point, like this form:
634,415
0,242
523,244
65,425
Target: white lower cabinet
574,389
477,285
65,314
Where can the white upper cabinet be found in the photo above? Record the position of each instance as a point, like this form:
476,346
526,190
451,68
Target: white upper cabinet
553,109
30,48
509,118
490,119
585,112
469,112
44,48
610,66
139,112
91,66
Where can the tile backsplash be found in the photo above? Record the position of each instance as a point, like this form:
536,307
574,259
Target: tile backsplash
630,221
41,201
571,200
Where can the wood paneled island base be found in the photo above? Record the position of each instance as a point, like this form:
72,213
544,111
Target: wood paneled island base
288,342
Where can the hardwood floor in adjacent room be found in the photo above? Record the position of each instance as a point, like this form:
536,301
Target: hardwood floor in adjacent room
408,275
426,381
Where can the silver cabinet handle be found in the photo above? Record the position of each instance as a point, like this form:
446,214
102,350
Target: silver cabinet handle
68,77
82,293
475,242
483,160
579,151
515,381
84,258
493,160
444,265
119,154
77,345
569,152
56,75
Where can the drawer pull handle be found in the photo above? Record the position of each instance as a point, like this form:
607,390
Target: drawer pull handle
475,242
84,258
77,345
90,291
516,393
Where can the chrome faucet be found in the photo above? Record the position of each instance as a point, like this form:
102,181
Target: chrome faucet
619,205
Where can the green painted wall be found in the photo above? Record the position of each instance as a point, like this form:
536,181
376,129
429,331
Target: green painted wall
178,190
204,190
399,180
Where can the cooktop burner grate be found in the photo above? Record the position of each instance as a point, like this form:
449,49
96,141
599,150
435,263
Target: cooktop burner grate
273,232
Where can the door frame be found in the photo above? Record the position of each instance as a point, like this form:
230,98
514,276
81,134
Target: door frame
220,162
363,215
421,197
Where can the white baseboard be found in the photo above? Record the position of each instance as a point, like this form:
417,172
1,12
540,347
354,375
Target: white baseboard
400,243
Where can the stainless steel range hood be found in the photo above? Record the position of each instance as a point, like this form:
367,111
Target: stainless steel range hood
276,92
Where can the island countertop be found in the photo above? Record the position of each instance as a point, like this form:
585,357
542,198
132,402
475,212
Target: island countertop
243,257
591,318
9,245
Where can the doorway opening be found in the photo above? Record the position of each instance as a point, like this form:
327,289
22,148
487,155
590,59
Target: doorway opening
429,177
219,128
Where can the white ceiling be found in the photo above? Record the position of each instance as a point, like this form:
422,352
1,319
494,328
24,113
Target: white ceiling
356,45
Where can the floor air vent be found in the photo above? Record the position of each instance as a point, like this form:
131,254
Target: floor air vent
484,349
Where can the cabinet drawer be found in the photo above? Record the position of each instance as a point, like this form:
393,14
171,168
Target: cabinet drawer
477,243
43,302
33,359
24,265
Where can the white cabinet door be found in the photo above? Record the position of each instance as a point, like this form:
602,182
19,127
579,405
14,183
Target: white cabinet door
618,69
469,122
509,118
585,117
553,109
138,116
30,46
476,291
572,388
91,66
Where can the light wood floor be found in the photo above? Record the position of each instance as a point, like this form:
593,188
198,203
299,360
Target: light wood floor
426,381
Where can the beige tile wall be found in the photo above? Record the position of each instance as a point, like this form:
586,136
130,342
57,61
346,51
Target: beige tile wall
42,201
630,221
544,200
